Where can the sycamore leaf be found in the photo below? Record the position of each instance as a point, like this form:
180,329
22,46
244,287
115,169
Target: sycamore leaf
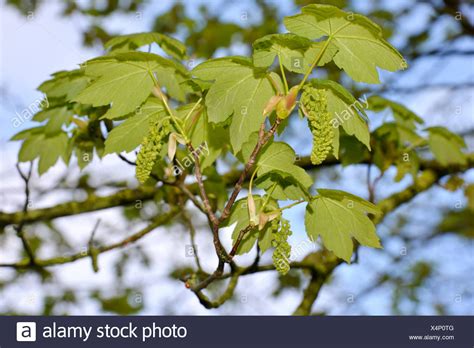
346,111
393,145
129,135
351,150
282,186
26,133
48,149
360,45
240,215
217,137
210,137
338,216
401,113
125,80
239,90
170,45
400,134
56,118
66,84
446,146
196,124
296,52
278,158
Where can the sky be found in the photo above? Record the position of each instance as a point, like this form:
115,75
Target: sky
33,48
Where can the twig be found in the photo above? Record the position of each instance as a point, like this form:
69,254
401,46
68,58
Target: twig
262,140
371,185
19,228
160,220
192,233
92,250
126,160
190,195
240,237
202,189
228,293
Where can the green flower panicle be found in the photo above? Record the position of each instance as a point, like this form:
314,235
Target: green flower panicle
281,254
150,149
315,106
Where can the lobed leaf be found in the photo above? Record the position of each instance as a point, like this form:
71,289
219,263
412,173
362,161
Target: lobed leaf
360,45
338,217
171,46
239,90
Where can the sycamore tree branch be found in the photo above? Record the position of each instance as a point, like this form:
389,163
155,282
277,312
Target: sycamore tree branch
224,257
226,295
177,184
59,260
192,197
192,233
311,293
19,228
263,138
213,221
322,263
91,203
240,237
202,190
129,196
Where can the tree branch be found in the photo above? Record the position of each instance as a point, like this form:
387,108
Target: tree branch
262,140
129,196
19,228
59,260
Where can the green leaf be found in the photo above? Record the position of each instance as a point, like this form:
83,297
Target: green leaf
210,137
239,90
400,134
216,188
129,134
338,216
48,149
281,157
277,157
26,133
401,113
56,118
360,45
125,80
196,124
296,52
170,45
346,111
66,84
409,163
351,150
393,145
282,186
446,146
